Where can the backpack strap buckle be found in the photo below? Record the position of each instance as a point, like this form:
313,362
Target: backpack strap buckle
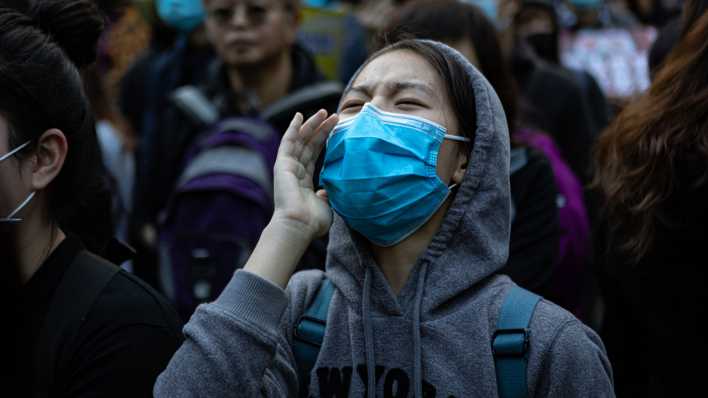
512,343
310,330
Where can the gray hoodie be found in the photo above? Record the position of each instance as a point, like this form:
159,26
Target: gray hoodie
433,339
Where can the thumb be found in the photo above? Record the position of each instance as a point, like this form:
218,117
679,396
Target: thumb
322,194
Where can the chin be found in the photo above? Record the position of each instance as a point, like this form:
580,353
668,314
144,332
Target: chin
244,59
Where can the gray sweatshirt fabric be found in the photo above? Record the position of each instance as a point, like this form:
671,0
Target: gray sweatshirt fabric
433,339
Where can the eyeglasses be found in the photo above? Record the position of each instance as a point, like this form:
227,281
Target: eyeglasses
255,13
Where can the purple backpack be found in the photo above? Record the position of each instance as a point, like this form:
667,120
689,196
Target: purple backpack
569,280
221,203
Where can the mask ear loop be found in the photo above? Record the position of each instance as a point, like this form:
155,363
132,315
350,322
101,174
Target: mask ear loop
14,151
11,218
456,138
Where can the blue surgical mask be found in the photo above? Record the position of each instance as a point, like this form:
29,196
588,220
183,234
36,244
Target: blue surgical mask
12,217
380,173
183,15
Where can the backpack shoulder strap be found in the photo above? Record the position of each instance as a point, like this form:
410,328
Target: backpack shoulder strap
510,342
191,101
82,283
309,333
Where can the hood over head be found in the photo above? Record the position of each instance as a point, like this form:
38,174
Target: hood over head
472,242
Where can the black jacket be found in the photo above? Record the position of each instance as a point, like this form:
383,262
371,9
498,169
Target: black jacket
125,339
534,229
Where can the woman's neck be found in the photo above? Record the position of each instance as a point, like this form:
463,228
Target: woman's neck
396,262
36,240
270,82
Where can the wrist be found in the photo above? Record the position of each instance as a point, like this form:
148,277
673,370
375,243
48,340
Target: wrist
296,228
278,251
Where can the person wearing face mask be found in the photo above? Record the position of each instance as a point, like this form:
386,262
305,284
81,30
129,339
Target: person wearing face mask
82,326
537,24
260,71
416,200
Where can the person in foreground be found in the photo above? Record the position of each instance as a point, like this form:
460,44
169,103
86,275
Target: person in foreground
79,325
416,172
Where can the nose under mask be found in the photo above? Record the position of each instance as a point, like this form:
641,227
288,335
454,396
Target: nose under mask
380,173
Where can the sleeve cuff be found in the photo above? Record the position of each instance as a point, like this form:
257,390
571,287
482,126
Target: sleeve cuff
253,299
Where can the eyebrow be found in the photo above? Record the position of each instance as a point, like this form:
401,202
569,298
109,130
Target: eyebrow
393,87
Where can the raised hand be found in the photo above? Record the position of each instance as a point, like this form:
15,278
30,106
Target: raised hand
300,214
296,203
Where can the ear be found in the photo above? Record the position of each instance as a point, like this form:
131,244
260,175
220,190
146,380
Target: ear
48,158
461,167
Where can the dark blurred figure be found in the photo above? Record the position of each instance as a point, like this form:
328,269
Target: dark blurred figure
179,54
665,42
559,105
652,170
655,12
536,259
537,24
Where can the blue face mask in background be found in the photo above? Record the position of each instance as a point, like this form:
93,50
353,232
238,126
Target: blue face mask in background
380,173
183,15
489,7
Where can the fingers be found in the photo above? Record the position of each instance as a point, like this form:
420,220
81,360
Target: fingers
311,126
288,145
294,127
323,131
304,141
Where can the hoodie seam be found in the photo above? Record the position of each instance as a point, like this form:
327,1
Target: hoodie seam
546,354
248,326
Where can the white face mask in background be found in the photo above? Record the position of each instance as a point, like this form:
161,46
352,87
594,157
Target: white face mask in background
11,218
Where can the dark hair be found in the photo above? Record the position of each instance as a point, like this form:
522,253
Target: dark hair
693,10
424,19
642,158
458,85
41,52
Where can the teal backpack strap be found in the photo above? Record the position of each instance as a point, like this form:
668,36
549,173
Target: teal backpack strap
309,334
510,342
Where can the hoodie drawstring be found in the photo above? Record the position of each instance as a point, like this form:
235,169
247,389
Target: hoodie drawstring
368,337
418,365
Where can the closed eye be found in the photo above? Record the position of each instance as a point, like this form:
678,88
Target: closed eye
410,103
352,105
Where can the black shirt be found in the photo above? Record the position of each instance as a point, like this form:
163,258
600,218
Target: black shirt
126,340
533,243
